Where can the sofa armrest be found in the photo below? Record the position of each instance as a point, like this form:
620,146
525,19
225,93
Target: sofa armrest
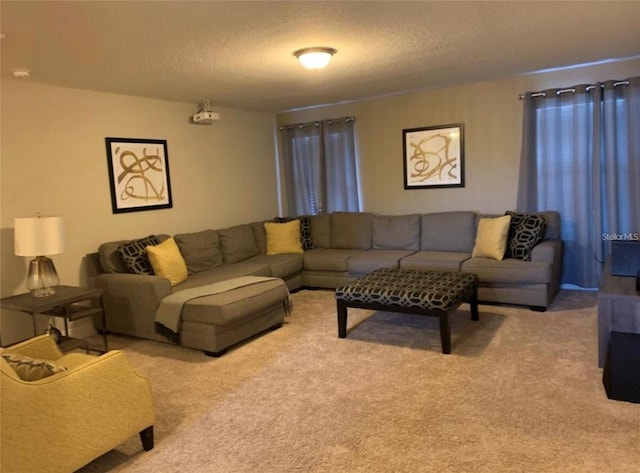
550,251
547,251
152,286
131,301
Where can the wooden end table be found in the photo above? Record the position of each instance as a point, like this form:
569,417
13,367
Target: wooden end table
69,303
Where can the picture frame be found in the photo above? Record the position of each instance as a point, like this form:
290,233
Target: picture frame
138,174
433,156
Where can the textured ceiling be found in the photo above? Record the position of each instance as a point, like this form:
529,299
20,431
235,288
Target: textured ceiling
239,54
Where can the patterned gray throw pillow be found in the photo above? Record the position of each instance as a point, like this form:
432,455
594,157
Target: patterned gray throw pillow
525,232
32,369
134,254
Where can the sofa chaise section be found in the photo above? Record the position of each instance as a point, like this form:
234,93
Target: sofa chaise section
132,300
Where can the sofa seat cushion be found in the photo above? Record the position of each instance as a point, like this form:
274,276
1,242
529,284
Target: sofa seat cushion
222,273
281,266
324,259
435,260
235,306
368,261
508,271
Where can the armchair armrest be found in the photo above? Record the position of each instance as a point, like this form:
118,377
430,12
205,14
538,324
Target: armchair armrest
131,301
42,347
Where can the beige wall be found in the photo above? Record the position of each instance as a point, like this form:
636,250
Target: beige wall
492,115
54,162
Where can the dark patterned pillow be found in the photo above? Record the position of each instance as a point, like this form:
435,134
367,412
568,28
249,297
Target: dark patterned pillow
32,369
305,230
525,232
134,255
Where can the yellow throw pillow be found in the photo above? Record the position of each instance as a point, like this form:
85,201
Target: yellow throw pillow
167,261
491,239
283,237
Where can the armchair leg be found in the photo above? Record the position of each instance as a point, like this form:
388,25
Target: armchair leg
146,437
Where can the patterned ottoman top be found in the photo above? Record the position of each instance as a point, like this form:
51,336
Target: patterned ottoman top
410,288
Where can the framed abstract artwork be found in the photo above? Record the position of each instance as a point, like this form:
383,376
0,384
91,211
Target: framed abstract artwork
138,174
433,156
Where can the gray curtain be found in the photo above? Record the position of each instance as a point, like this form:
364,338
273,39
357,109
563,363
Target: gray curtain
580,156
303,149
341,168
320,166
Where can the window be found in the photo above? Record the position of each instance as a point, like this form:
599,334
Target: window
581,156
320,166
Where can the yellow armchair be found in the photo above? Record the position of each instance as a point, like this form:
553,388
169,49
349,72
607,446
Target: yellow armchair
64,421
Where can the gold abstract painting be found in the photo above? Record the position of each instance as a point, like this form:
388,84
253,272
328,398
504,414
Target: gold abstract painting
139,174
434,156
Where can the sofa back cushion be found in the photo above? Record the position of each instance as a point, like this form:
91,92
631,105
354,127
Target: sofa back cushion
260,236
351,230
238,243
200,250
321,230
400,232
448,231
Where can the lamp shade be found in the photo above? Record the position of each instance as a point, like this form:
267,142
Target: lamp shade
38,236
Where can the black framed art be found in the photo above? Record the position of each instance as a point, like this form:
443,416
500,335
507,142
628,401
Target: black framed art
433,156
138,174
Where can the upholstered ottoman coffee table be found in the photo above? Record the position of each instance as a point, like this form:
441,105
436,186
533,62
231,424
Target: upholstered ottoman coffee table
431,293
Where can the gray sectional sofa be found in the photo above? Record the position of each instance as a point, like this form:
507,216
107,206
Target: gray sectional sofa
345,245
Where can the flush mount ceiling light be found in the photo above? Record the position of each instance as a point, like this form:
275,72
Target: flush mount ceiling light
315,58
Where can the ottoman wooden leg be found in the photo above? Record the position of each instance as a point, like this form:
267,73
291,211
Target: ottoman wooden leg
342,319
473,302
445,333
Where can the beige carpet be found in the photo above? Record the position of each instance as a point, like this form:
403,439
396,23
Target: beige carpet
520,393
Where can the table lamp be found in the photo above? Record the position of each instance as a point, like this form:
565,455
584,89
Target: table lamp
40,236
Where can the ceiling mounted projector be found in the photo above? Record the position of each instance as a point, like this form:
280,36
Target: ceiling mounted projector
204,115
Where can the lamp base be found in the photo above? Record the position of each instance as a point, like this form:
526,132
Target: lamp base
42,277
44,292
